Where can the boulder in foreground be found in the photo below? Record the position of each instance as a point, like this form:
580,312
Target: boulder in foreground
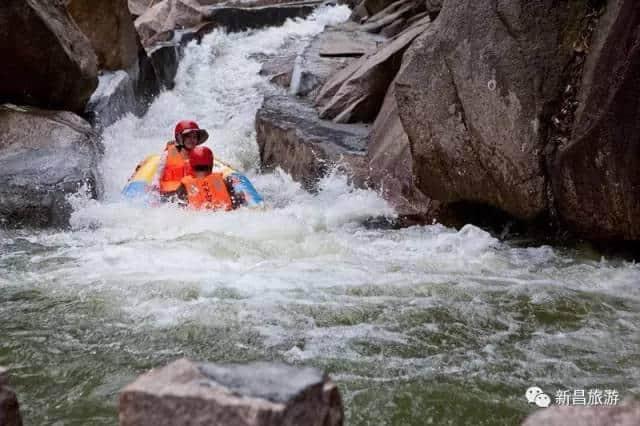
186,392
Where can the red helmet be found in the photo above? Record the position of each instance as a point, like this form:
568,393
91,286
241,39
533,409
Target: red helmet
188,126
201,156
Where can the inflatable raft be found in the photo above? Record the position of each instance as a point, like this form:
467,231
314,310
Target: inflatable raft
141,179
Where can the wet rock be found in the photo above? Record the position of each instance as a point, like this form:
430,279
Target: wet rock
168,15
181,14
394,28
45,156
113,98
109,27
48,62
595,175
390,163
400,10
9,406
235,19
290,136
329,52
473,97
121,92
374,6
257,394
138,7
625,414
355,94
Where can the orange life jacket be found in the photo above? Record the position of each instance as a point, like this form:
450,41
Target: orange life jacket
175,169
209,192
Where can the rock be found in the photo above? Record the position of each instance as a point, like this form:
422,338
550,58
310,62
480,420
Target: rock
9,406
402,9
121,92
138,7
235,19
473,97
595,176
109,27
168,15
390,162
290,136
181,14
394,28
44,157
256,394
625,414
113,98
355,94
50,62
329,52
375,6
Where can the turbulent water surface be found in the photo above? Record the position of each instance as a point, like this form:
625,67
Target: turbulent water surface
420,325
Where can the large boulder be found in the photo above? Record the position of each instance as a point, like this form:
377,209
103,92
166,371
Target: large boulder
9,406
109,26
257,394
168,15
45,156
290,136
625,414
355,94
390,162
473,98
46,60
595,175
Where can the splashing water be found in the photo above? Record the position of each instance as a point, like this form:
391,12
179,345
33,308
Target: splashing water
420,325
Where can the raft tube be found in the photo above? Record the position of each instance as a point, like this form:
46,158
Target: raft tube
140,180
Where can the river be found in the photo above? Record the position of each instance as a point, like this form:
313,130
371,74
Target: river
422,325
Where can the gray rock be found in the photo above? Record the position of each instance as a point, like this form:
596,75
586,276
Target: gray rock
390,162
9,406
473,97
168,15
403,9
626,414
290,136
329,52
109,27
46,60
113,98
595,175
44,157
138,7
255,394
355,94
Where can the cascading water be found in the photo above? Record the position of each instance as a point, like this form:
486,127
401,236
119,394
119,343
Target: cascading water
420,325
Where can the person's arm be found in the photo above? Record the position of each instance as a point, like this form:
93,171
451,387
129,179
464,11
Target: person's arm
155,181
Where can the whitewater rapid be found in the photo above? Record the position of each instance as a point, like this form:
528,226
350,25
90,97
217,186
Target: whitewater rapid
426,322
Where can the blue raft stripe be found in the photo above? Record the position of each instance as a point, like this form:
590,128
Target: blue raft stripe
241,184
134,189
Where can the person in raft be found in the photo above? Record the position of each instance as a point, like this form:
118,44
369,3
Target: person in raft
174,162
204,190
